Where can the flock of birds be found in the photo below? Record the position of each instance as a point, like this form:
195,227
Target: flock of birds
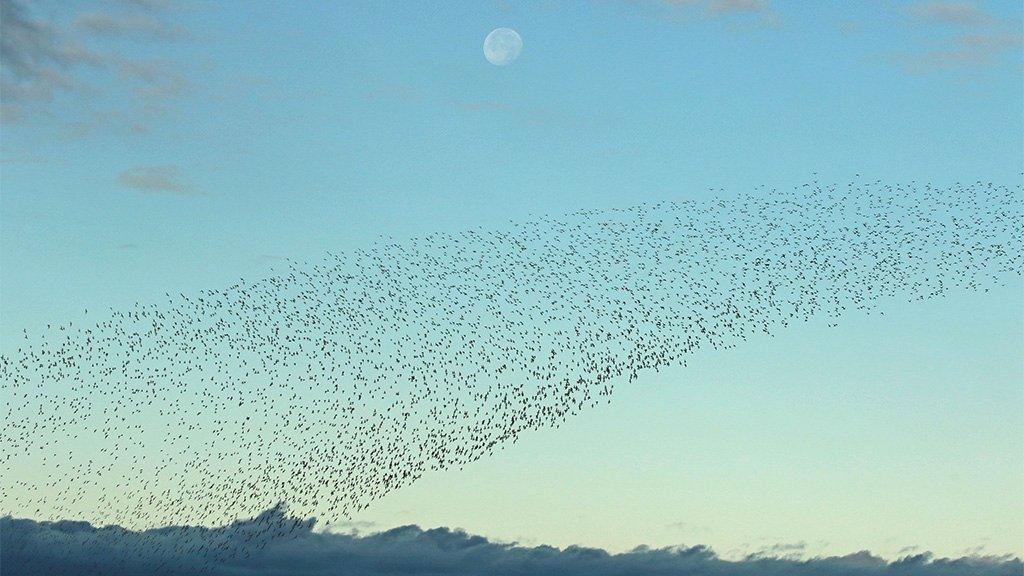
332,384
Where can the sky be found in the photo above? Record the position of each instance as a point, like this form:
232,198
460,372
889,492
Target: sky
159,145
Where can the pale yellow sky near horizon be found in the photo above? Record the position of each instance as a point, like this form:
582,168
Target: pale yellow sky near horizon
898,433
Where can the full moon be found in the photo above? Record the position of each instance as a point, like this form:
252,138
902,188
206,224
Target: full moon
502,46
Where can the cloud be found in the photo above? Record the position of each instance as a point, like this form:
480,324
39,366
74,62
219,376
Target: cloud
719,7
966,52
690,528
757,10
30,48
688,10
980,39
39,59
135,25
792,550
154,78
36,60
991,43
351,527
151,4
275,544
156,180
953,13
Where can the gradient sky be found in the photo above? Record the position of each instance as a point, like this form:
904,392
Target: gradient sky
182,145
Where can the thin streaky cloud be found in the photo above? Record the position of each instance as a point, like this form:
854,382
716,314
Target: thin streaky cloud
952,13
718,7
135,25
967,52
156,180
40,59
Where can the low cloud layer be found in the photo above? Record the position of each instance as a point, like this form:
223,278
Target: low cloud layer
249,548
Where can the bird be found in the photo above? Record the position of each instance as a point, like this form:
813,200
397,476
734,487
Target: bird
337,381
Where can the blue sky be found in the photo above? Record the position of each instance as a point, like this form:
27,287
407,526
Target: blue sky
157,146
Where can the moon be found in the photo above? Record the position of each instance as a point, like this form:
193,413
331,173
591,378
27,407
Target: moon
502,46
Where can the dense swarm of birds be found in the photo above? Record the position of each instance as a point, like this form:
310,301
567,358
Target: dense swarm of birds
334,383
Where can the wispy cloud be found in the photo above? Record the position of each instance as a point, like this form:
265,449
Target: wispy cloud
151,4
132,25
156,180
36,60
690,10
969,38
273,543
965,52
954,13
721,7
42,58
154,78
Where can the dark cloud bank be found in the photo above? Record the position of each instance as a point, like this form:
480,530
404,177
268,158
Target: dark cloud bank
246,547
